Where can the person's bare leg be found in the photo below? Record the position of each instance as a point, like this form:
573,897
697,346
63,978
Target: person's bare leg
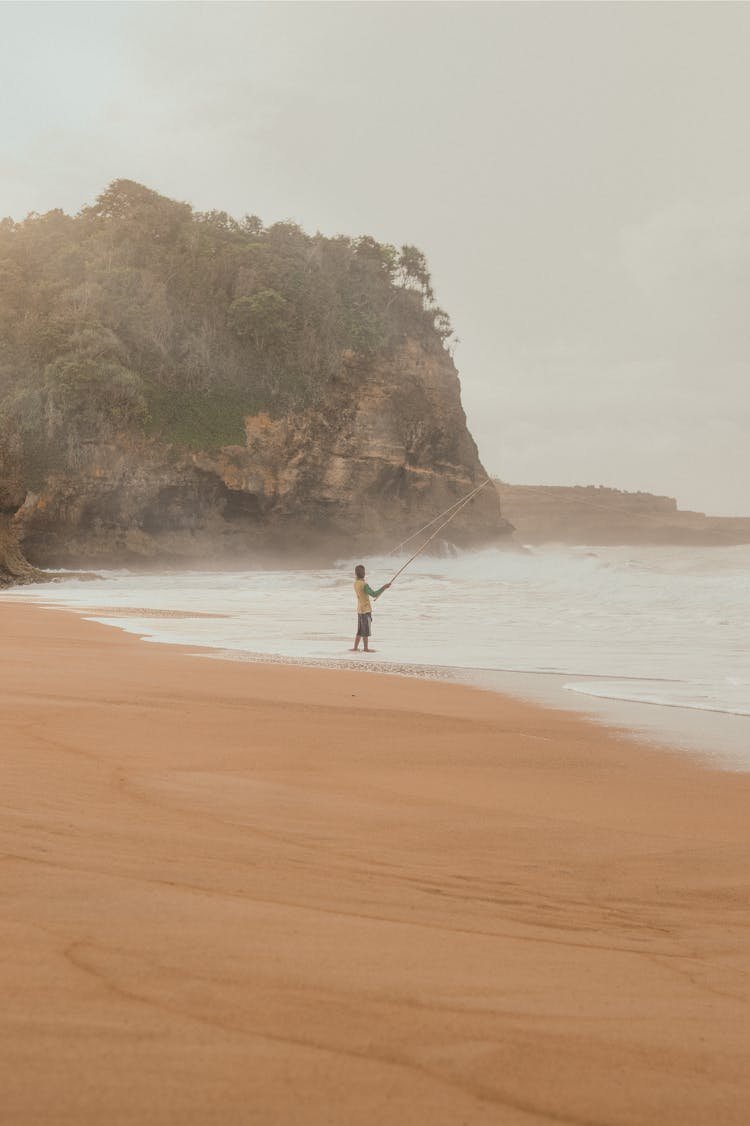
355,646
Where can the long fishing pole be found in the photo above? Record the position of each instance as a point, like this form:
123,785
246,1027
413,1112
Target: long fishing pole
456,504
439,529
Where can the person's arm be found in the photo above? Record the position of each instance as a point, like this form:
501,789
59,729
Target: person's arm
375,593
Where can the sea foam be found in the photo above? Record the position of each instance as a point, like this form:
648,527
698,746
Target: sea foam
657,625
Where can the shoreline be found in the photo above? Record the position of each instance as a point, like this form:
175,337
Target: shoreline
271,894
719,737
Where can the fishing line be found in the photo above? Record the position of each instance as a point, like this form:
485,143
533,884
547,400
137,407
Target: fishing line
456,504
457,509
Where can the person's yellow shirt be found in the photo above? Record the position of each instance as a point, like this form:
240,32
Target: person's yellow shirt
364,594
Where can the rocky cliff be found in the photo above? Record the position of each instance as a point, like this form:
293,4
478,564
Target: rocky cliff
183,389
599,516
385,452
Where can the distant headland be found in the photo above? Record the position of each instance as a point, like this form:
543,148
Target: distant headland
597,515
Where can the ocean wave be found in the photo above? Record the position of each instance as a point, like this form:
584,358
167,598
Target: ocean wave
695,698
639,617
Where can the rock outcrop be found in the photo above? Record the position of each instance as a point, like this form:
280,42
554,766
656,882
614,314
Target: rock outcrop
388,450
600,516
185,388
15,569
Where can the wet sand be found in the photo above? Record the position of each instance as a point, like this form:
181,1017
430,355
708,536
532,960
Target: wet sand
238,893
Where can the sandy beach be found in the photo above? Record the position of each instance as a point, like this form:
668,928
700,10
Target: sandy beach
240,894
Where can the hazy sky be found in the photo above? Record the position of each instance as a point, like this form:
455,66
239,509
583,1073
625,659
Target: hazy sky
577,174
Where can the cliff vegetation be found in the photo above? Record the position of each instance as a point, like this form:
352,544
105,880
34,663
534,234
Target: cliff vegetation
155,360
141,312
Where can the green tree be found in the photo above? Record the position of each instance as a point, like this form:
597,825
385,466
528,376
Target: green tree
262,317
412,265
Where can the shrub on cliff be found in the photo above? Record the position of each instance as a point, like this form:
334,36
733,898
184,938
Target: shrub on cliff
141,313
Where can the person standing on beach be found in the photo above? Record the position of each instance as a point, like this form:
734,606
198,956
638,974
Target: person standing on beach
364,608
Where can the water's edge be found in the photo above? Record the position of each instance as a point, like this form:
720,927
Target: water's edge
648,641
721,739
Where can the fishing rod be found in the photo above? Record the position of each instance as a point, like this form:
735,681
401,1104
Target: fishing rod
457,509
456,504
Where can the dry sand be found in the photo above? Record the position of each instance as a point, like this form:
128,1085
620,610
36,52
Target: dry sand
242,894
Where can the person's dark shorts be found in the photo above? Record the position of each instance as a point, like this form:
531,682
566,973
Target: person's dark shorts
364,625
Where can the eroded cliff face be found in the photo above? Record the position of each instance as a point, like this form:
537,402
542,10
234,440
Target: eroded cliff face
387,451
